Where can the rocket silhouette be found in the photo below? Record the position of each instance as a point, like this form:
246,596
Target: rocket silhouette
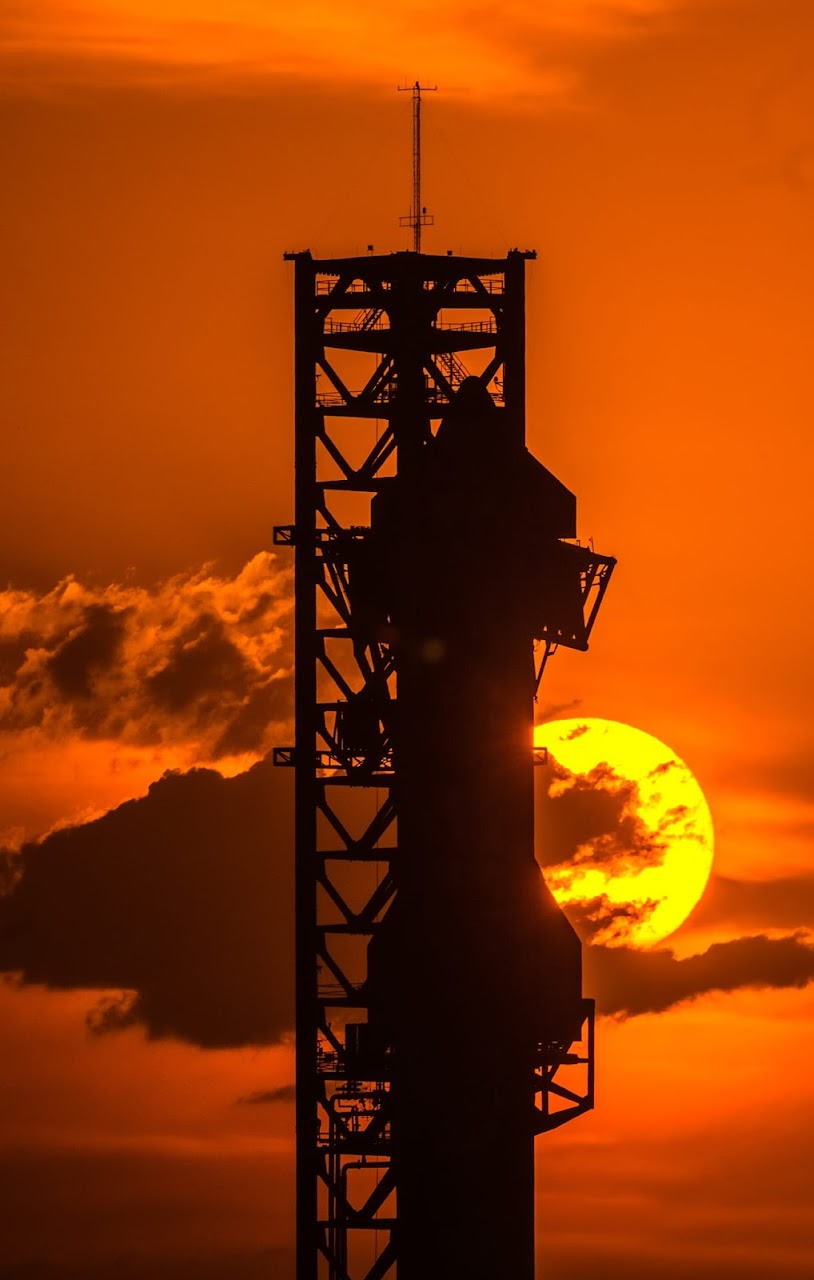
474,966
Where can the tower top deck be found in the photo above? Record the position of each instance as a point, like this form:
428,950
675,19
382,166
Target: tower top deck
403,259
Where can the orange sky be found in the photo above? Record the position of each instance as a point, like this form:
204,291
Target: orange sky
161,157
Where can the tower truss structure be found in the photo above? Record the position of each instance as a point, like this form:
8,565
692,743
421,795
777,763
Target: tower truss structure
383,347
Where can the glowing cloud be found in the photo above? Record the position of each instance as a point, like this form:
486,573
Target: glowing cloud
197,659
515,50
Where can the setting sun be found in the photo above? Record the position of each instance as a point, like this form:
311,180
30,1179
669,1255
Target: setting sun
637,882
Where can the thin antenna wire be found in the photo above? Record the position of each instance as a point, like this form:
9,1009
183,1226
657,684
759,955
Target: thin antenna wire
418,216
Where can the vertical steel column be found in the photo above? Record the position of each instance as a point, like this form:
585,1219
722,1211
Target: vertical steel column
514,330
306,347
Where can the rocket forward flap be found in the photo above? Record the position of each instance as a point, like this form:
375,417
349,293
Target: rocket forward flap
479,514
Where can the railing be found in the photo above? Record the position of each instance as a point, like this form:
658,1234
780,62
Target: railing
364,322
336,993
469,326
327,284
488,285
334,399
454,370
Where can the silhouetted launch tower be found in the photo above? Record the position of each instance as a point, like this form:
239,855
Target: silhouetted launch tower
440,1017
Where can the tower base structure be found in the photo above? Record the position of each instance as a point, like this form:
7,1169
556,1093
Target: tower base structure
440,1019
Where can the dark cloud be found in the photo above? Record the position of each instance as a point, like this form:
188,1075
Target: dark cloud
579,732
556,710
197,659
179,908
666,766
285,1093
12,654
576,811
201,662
248,727
627,982
592,819
9,870
599,917
182,901
89,650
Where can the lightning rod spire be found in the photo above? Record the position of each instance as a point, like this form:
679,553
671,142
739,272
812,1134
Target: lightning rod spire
418,216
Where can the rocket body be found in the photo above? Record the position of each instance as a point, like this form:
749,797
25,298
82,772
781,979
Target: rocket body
475,965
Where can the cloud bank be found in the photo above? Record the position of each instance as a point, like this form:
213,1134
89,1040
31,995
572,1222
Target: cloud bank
179,907
181,901
626,982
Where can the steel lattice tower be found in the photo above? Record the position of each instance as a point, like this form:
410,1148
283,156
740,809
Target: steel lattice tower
439,1006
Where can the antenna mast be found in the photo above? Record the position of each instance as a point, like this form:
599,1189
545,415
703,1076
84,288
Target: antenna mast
418,216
